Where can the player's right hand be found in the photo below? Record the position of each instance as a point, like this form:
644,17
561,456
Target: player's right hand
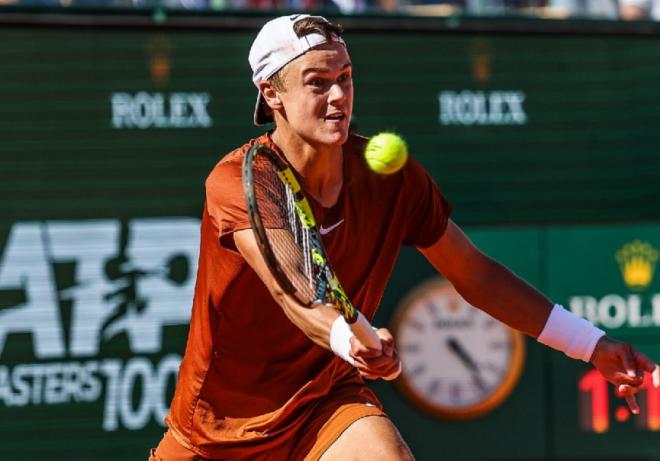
374,364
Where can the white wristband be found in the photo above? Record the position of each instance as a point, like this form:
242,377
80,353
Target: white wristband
340,339
570,334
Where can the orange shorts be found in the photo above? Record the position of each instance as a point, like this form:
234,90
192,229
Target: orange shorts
328,421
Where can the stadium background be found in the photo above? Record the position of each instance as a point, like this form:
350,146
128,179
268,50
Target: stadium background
542,135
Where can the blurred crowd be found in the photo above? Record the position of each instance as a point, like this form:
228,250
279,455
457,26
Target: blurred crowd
561,9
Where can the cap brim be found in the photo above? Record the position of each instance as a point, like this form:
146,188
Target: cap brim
262,113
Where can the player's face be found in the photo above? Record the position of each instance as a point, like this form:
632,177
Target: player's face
318,100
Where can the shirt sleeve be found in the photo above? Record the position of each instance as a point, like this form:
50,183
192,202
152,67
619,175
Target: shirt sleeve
225,201
428,210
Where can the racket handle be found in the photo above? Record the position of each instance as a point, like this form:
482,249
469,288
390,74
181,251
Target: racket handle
363,331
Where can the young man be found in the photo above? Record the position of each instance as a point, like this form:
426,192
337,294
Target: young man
259,380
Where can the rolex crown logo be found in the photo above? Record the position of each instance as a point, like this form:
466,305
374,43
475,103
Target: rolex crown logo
637,263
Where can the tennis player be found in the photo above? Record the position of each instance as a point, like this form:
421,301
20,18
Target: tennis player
265,378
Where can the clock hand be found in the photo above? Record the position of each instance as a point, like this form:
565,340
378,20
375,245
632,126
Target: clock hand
458,349
467,360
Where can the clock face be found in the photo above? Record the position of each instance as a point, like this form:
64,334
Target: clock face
458,362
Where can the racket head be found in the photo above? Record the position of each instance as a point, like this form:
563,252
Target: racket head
286,232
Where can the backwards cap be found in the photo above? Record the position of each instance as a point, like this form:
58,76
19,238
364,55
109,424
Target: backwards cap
275,46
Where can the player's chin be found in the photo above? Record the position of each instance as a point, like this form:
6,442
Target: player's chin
335,136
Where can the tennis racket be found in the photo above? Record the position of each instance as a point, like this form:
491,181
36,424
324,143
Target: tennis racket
288,238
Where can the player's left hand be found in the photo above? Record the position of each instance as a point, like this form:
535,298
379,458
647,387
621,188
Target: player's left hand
624,366
373,364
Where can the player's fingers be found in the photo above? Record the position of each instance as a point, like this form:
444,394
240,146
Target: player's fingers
372,363
392,365
656,376
386,341
388,374
643,362
628,393
631,400
385,335
395,374
365,372
625,389
368,375
627,356
379,367
359,362
355,352
388,349
630,379
375,364
360,350
362,364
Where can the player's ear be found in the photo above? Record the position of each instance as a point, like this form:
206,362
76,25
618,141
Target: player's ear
271,96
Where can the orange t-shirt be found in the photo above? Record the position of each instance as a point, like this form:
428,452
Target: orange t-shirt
249,376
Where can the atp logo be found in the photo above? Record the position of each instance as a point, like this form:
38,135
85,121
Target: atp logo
110,278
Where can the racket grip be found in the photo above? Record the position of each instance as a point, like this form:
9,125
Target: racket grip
363,331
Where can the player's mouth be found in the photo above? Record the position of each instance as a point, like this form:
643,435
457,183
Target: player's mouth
335,117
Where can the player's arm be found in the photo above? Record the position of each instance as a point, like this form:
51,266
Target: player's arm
490,286
317,321
487,284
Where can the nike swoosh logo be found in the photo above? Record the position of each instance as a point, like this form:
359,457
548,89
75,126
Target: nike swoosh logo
327,230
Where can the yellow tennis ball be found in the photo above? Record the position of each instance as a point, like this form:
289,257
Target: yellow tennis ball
386,153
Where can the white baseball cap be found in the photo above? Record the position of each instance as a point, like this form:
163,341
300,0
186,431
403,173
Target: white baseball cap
275,46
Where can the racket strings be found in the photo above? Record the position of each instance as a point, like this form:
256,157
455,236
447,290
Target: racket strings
291,241
300,235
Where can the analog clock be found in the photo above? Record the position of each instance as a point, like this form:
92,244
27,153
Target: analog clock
458,362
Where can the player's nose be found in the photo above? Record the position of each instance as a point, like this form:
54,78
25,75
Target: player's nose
337,92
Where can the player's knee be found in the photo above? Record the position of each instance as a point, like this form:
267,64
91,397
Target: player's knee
367,439
397,450
396,447
390,455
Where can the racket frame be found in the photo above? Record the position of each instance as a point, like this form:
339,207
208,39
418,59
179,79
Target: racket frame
358,323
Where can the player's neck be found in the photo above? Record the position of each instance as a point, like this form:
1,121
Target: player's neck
320,167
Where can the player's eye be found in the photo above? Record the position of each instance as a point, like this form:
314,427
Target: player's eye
343,78
317,82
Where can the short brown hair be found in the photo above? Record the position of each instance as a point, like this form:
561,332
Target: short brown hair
307,26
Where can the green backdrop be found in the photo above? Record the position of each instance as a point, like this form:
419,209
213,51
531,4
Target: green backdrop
545,143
